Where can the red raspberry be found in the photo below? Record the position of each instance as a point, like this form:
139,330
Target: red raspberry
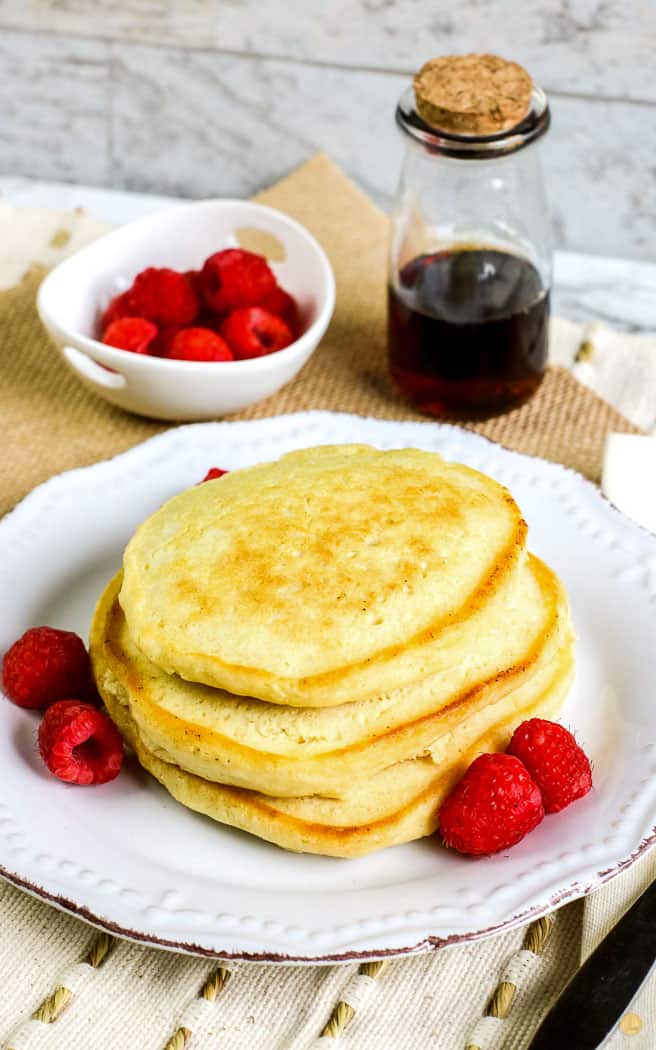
163,296
198,344
213,472
211,321
131,333
495,804
117,308
80,744
233,278
253,332
45,665
193,276
558,765
281,303
161,346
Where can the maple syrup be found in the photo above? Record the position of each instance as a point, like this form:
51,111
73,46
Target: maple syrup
468,331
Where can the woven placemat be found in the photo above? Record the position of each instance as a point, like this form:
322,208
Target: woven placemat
53,424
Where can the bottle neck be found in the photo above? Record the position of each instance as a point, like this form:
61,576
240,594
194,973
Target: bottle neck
473,147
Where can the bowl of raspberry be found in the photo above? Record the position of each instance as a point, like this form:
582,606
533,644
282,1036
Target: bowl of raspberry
173,317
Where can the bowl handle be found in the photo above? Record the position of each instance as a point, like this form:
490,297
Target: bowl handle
92,371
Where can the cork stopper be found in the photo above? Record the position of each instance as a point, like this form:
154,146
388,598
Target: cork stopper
472,94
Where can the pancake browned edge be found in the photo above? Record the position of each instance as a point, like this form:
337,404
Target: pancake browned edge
398,805
127,676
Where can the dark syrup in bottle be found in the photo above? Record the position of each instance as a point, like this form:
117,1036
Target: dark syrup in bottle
468,331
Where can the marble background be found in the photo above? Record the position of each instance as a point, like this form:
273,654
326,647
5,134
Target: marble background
220,97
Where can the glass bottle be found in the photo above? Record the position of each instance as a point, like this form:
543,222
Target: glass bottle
471,266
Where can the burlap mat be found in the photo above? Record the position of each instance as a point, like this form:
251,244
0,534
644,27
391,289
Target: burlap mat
126,995
53,423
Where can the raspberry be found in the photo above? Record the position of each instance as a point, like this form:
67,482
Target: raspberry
495,804
79,743
163,296
131,333
557,764
117,308
233,278
213,472
198,344
45,665
161,346
211,321
253,332
193,276
281,303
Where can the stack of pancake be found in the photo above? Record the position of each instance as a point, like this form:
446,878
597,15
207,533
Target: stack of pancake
314,650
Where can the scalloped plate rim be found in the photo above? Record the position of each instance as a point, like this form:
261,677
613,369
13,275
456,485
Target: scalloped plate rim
68,481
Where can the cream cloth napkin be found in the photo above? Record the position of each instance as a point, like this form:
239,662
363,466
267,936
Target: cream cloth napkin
619,366
140,997
42,236
628,476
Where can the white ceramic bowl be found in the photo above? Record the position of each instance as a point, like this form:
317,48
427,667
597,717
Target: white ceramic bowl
74,294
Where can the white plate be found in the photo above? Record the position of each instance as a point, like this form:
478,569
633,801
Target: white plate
130,859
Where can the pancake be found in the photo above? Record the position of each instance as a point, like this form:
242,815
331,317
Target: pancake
514,642
326,577
396,805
